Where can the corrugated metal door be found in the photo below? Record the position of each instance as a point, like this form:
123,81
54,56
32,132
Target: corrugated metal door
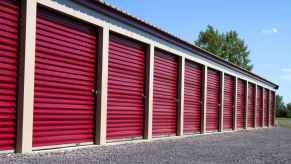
192,97
125,111
213,101
259,106
266,106
9,22
65,78
229,90
251,106
272,107
165,94
241,101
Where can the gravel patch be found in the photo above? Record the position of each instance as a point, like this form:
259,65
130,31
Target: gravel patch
254,147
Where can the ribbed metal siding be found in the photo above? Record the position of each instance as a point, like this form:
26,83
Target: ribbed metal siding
64,80
9,23
266,106
213,100
251,105
192,97
241,101
125,111
259,106
229,88
272,103
165,94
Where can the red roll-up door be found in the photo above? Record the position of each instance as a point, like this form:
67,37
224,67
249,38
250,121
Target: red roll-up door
272,107
65,78
165,94
259,106
9,23
229,90
125,109
213,101
266,106
192,97
251,106
241,102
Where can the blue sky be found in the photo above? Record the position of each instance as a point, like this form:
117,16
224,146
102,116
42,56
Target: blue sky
264,25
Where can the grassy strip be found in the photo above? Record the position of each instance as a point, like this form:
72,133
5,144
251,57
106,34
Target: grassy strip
284,122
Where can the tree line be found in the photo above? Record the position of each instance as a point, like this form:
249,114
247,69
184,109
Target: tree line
282,109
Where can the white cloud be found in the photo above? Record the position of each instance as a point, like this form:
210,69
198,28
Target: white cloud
286,70
273,30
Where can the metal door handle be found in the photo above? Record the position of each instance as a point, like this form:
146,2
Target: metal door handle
94,91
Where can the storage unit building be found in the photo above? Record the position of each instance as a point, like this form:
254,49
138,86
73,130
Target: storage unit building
125,110
228,108
65,81
193,97
9,44
82,72
251,106
165,94
259,106
266,107
272,108
213,101
241,104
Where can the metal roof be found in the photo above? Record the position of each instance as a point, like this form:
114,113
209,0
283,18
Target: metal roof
114,12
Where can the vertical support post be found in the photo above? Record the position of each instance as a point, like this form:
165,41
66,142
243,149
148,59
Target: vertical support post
180,127
247,104
275,108
26,76
235,105
221,102
269,109
256,108
102,85
204,100
149,89
263,107
262,99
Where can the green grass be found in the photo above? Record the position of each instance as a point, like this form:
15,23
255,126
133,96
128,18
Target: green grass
284,122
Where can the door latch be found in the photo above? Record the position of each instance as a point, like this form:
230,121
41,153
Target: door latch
95,92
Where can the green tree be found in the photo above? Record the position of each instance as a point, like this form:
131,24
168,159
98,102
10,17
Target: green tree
281,110
226,45
288,106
